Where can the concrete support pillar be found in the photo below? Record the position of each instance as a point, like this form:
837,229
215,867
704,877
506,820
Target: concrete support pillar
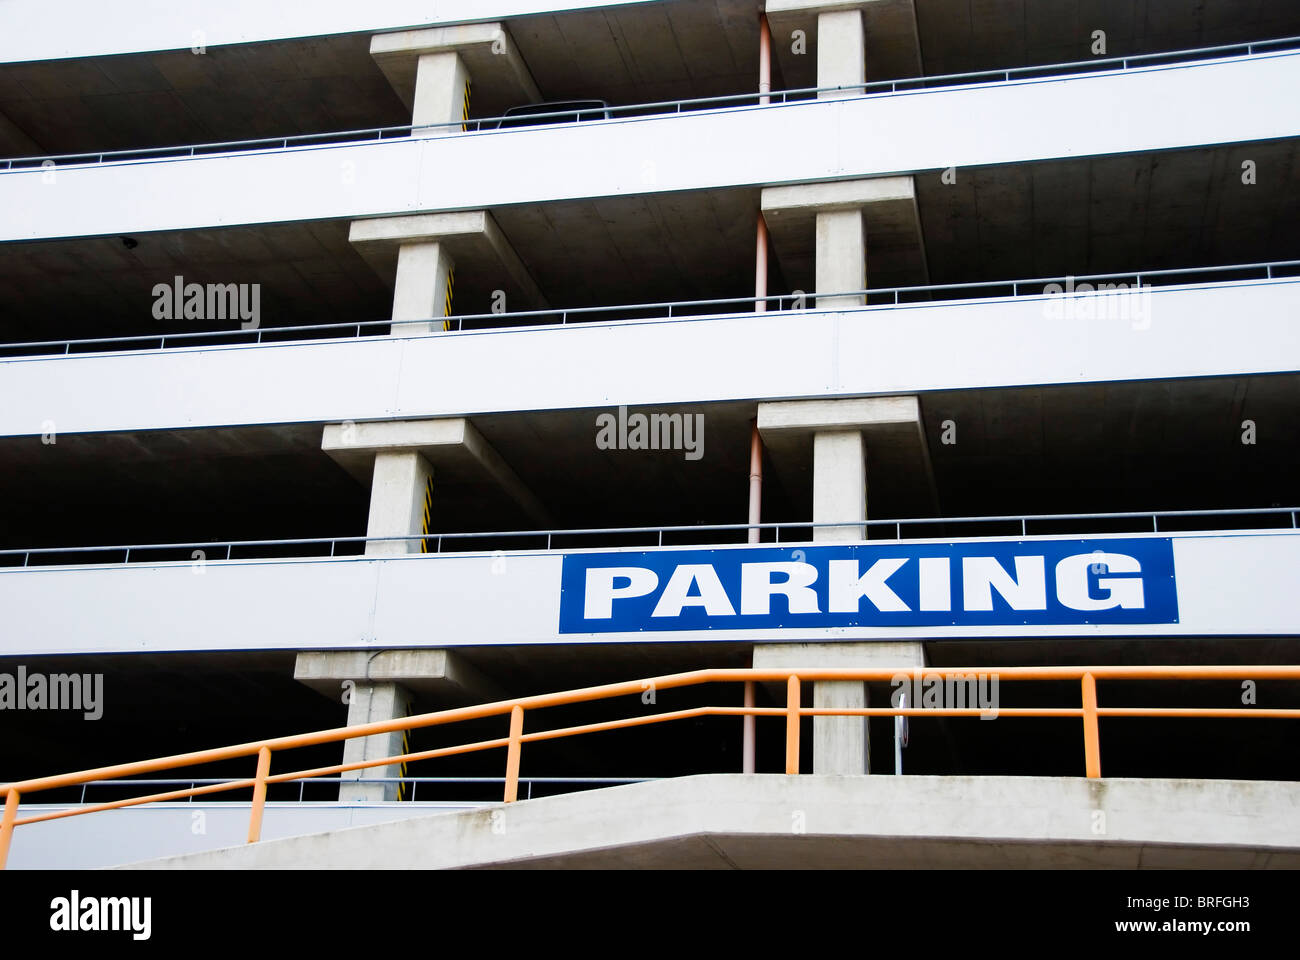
824,229
422,286
841,52
370,703
399,457
380,685
841,256
840,432
421,253
435,69
442,91
840,744
400,500
839,484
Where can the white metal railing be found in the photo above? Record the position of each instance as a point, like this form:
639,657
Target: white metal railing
434,542
414,782
775,98
884,297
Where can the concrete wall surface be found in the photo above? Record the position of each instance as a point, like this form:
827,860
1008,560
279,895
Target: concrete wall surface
775,821
37,30
172,829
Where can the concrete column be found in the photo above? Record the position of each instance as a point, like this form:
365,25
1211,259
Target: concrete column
422,252
422,286
841,52
370,703
434,70
839,484
398,457
442,91
840,744
841,256
381,684
840,432
400,498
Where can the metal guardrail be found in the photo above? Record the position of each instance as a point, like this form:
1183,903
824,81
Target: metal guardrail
1089,712
434,542
660,108
884,297
415,782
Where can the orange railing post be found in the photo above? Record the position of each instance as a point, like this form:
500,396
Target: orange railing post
1091,734
7,824
747,736
513,750
792,725
259,795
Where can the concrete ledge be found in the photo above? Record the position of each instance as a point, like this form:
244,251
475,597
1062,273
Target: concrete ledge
775,821
496,68
441,673
810,416
895,243
898,456
472,238
452,445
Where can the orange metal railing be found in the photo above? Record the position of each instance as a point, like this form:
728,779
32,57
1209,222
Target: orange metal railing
1088,711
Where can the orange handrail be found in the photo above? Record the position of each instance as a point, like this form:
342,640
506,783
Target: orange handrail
1089,711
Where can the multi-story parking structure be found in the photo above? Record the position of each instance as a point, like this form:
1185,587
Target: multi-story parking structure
876,335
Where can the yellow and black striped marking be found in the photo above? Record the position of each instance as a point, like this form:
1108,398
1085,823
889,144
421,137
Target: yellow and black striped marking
446,307
428,512
406,748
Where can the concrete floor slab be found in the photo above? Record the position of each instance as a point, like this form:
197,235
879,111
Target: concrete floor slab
768,821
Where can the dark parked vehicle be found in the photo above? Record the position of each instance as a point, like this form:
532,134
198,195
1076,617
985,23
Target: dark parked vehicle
558,111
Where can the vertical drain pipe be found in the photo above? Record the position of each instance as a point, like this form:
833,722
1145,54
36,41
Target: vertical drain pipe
755,441
755,514
764,89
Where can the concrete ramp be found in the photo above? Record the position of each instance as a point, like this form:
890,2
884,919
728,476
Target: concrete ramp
775,821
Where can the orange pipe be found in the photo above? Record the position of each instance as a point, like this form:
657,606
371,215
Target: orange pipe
792,725
1091,734
259,795
7,824
512,753
760,265
764,60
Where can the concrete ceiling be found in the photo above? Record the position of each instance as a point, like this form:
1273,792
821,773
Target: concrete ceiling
966,35
1151,445
638,249
1141,211
644,52
178,97
99,286
962,36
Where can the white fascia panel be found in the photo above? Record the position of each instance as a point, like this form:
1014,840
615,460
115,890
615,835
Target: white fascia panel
1202,331
1228,584
1158,108
32,30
